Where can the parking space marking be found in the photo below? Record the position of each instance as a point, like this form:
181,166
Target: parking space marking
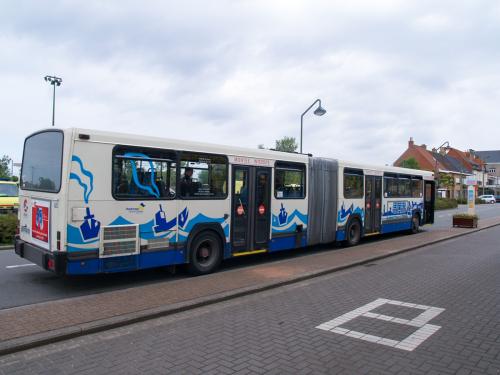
410,343
20,265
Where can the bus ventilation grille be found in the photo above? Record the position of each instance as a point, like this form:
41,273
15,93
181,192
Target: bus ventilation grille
120,240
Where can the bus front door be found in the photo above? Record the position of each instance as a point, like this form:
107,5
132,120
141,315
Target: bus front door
373,203
251,214
429,197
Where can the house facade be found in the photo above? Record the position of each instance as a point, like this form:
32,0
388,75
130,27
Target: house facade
492,165
450,166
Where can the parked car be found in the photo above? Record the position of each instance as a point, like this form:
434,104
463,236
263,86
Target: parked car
497,197
488,198
9,196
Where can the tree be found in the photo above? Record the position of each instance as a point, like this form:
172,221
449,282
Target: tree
5,166
286,144
261,146
410,163
447,181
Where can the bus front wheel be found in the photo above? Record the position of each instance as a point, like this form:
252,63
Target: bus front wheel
205,254
353,234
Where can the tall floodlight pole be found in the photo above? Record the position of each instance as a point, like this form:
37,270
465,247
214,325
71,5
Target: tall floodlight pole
320,111
54,81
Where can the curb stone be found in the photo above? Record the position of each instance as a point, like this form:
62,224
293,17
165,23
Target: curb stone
61,334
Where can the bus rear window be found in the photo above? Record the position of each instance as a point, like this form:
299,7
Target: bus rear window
42,161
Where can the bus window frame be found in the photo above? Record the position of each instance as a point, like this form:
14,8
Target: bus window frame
134,148
200,198
291,166
353,172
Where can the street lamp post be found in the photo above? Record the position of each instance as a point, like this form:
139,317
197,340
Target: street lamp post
320,111
54,81
436,167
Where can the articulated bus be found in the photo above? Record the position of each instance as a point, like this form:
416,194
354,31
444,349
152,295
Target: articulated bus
96,202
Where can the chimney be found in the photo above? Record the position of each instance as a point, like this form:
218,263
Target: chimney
410,142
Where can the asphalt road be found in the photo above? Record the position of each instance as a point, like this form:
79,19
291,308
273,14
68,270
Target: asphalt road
23,283
429,311
443,218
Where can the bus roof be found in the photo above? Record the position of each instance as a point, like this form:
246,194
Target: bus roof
195,146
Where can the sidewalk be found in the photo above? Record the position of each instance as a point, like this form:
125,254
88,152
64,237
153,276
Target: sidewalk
38,324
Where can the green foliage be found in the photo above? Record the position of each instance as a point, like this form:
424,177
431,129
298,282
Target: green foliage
464,201
14,178
5,166
446,181
286,144
445,203
465,216
8,223
410,163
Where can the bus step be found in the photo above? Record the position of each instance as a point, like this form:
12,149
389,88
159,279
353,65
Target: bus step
249,252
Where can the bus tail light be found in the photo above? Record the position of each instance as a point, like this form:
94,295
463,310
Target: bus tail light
51,264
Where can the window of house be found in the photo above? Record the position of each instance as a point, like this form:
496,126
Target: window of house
289,181
142,173
203,176
353,183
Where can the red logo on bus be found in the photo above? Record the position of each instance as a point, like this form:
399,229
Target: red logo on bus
40,223
262,209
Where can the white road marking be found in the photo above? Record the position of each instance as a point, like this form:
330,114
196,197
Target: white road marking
20,265
410,343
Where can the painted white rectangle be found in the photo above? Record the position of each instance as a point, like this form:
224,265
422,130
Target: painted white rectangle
410,343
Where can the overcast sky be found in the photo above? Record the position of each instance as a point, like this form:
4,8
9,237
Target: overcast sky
242,72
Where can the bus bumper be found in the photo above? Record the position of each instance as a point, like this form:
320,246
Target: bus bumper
54,261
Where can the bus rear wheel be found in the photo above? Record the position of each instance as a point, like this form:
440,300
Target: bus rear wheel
205,254
353,235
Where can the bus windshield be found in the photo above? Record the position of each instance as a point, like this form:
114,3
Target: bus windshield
42,161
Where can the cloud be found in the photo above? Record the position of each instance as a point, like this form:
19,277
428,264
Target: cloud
242,72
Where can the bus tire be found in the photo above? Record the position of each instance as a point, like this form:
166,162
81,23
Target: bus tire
205,253
353,233
415,223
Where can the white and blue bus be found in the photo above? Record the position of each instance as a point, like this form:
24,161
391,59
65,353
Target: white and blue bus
95,202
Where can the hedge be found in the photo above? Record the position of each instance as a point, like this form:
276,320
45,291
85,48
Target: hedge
8,223
445,203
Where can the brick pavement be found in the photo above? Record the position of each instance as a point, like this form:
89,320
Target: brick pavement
69,317
274,331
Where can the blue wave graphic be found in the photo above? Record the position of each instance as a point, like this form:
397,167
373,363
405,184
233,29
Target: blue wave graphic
296,213
74,236
200,218
149,189
73,176
344,214
73,249
146,230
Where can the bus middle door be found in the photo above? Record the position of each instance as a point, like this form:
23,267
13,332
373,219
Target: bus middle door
373,203
251,214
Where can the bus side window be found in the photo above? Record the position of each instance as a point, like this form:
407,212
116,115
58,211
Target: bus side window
289,181
141,173
353,183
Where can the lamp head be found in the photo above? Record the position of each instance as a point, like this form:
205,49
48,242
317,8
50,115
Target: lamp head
320,111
